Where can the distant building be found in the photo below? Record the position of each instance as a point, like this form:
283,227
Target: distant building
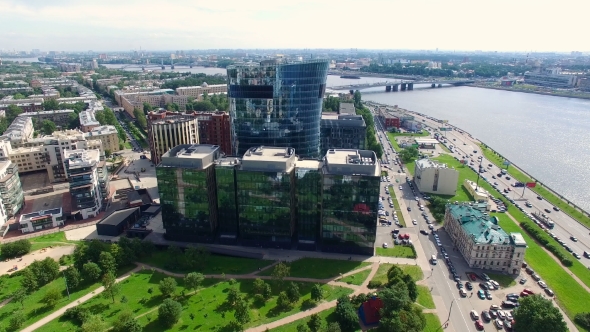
342,132
61,118
20,130
584,83
388,118
346,109
69,67
481,241
167,131
88,120
108,136
434,178
11,191
215,129
551,77
40,220
89,182
198,91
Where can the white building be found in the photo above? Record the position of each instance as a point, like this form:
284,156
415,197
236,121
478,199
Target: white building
45,219
88,181
481,241
432,177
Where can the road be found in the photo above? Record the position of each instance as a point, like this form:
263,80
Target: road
565,226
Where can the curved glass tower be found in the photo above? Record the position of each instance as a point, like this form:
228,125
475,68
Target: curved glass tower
277,103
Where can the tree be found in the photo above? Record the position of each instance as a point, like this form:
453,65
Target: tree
94,323
169,312
315,323
111,286
242,312
17,319
267,292
536,313
258,286
126,322
346,314
280,272
333,327
15,249
357,98
167,286
72,276
232,296
45,270
408,154
48,127
317,293
193,280
147,107
283,300
73,120
293,292
50,105
51,297
140,118
29,281
20,296
92,271
107,262
203,106
302,328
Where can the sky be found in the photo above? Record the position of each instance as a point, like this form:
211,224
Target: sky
124,25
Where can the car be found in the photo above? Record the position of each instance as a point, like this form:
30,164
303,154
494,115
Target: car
490,286
512,299
401,188
384,244
508,325
468,285
495,283
459,284
526,290
507,178
485,315
456,278
508,304
462,292
573,238
536,277
501,314
478,325
549,292
483,286
542,284
481,294
540,198
512,295
529,270
485,277
431,227
586,254
499,323
414,222
522,281
494,307
488,295
547,210
577,255
474,315
424,232
555,208
493,314
508,316
409,209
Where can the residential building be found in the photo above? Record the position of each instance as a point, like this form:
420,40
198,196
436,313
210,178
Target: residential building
88,121
197,91
186,183
481,241
88,179
342,132
26,106
584,83
350,196
61,118
40,220
108,136
215,129
166,132
69,67
11,191
19,131
435,178
277,103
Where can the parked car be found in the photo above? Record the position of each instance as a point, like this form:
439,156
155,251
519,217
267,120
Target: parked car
474,315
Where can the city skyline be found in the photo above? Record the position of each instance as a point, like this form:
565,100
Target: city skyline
453,25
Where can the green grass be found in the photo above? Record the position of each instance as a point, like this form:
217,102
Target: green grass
394,144
432,323
318,268
410,167
424,298
50,240
503,279
135,289
396,206
423,133
215,264
210,302
396,251
539,189
413,270
127,145
9,283
327,316
570,295
357,278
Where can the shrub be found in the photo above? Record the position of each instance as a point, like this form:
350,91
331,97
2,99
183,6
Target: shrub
583,319
77,314
15,249
375,284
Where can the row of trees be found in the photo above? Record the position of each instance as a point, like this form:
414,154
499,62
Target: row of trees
107,117
194,80
372,143
15,249
331,104
408,154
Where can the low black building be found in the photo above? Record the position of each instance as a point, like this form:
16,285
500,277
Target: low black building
345,131
117,222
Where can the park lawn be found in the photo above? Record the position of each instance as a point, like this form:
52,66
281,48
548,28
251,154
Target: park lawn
424,298
539,189
570,295
210,304
432,323
357,278
34,310
50,240
394,144
396,251
328,316
396,206
215,264
319,268
135,289
9,283
413,270
464,173
579,269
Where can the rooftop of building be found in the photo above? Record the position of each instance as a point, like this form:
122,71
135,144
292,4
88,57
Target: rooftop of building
268,153
352,162
275,62
47,112
429,163
427,141
342,120
172,119
197,156
346,108
308,163
480,227
87,118
204,85
118,216
39,214
102,130
269,159
82,158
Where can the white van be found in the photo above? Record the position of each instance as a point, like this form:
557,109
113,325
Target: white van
433,260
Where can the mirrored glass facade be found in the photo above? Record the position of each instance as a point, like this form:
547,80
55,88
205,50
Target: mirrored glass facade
308,207
227,204
188,203
277,104
349,213
264,204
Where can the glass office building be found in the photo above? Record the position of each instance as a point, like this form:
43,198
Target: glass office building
186,182
277,103
308,203
350,196
225,179
265,194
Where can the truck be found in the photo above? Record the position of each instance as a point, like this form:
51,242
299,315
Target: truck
544,219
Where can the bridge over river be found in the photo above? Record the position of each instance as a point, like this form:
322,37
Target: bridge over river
403,85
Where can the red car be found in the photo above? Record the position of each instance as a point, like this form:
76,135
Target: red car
526,290
479,325
524,294
472,276
405,236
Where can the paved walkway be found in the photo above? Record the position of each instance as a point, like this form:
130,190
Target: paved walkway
81,300
55,253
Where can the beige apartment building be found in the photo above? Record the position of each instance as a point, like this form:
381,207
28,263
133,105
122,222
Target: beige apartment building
108,136
481,241
164,133
434,178
197,91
